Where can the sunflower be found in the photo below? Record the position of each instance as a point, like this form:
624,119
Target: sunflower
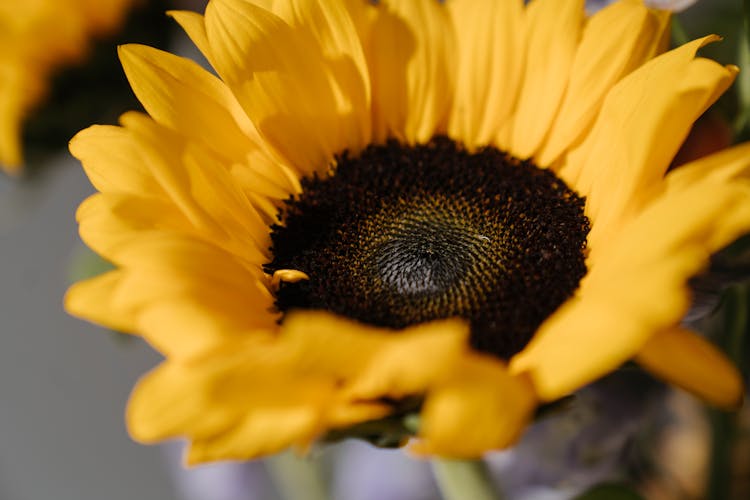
37,37
380,211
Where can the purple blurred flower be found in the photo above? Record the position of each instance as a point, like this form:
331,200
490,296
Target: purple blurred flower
218,481
673,5
363,472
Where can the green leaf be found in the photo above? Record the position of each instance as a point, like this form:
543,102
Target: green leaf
86,264
610,491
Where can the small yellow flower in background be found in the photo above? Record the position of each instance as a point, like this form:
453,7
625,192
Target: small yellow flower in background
459,209
38,37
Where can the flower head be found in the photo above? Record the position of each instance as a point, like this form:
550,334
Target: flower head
37,37
455,210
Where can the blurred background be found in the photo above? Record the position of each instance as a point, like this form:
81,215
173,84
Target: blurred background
64,383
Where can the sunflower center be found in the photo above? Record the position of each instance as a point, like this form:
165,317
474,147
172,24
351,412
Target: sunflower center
401,235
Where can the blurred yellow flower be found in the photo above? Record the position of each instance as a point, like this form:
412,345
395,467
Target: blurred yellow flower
378,209
36,38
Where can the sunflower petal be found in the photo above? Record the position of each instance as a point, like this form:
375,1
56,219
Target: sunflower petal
165,401
373,357
94,300
725,166
412,70
198,294
330,27
654,108
639,287
285,88
556,361
685,359
615,41
187,327
490,65
112,161
164,82
553,33
483,404
194,26
109,221
415,360
200,186
257,435
251,396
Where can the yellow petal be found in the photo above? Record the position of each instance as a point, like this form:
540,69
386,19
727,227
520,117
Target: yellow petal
652,108
490,65
199,271
261,176
164,83
412,64
189,326
201,187
559,358
635,288
329,27
161,150
215,190
480,408
37,38
722,167
112,161
705,217
615,41
286,88
195,27
258,434
685,359
164,404
345,348
183,295
20,88
236,403
413,361
553,32
94,300
108,221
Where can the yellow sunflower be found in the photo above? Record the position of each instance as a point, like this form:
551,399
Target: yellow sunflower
37,37
457,210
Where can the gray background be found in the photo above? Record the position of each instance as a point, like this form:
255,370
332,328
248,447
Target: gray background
63,383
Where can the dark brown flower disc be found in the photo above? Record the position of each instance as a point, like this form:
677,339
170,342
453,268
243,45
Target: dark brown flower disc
401,235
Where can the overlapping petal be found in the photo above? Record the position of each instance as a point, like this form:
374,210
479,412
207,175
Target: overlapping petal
614,42
319,370
301,105
412,69
687,360
553,34
490,65
188,193
637,289
643,121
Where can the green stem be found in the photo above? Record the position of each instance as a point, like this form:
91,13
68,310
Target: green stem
739,323
720,472
464,479
743,79
297,478
724,424
679,33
